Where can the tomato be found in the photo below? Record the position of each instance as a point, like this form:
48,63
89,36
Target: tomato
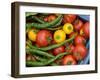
32,34
68,28
72,34
50,18
80,52
59,36
79,40
69,60
70,48
77,24
85,30
69,18
44,38
58,50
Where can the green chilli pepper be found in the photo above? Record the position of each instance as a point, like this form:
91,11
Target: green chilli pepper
44,25
35,51
36,63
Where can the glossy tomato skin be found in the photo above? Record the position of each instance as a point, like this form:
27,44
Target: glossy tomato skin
86,29
44,38
69,60
69,18
77,24
72,34
70,48
79,40
59,50
50,18
80,52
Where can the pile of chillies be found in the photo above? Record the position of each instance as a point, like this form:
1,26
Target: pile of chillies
55,39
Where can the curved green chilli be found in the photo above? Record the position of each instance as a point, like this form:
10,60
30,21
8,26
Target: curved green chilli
59,22
36,63
37,19
35,51
30,13
52,46
44,25
55,26
38,58
42,21
53,29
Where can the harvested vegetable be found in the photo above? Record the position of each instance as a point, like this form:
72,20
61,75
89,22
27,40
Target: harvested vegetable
44,25
78,25
58,50
44,38
38,52
68,28
79,40
54,39
69,18
80,52
36,63
69,60
32,34
52,46
86,30
59,36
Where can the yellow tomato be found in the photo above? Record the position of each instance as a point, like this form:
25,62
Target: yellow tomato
68,28
59,36
32,34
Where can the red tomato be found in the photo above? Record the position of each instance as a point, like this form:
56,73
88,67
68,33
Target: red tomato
70,48
50,18
72,34
77,24
58,50
69,60
44,38
86,29
69,18
79,52
79,40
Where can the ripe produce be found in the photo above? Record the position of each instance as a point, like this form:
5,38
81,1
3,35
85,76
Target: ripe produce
68,28
85,30
70,48
69,60
78,24
80,52
79,40
59,36
59,50
50,18
69,18
56,39
44,38
32,34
